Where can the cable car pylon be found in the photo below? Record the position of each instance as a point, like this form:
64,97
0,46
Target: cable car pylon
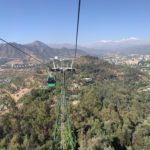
66,136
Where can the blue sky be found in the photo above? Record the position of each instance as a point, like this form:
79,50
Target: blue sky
54,21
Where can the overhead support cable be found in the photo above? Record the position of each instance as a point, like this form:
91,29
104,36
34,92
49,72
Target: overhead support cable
77,32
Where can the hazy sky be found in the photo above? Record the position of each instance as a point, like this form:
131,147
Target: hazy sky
54,21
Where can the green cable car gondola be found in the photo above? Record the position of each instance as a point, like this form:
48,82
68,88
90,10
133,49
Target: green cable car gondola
51,81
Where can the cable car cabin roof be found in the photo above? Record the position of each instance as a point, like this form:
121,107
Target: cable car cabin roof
51,78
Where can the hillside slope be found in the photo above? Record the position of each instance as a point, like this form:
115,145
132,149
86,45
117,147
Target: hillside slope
108,113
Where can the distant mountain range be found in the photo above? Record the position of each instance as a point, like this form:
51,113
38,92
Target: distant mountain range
124,46
127,46
37,49
44,51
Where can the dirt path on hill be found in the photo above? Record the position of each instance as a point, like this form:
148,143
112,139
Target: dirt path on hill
19,94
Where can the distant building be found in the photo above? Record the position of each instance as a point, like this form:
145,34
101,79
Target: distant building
5,66
22,66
